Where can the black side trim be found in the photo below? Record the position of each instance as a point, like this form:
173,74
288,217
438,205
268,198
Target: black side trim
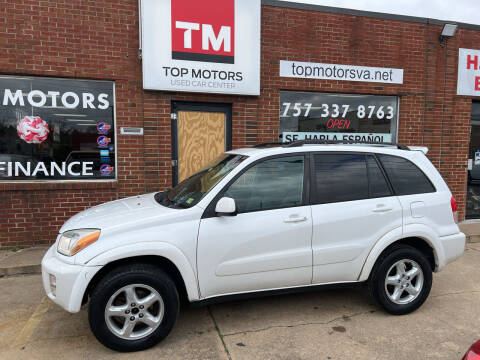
368,175
390,186
260,294
225,59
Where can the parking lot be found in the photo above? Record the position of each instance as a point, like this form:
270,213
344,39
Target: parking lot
328,324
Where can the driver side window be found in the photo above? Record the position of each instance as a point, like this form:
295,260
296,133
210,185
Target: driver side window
272,184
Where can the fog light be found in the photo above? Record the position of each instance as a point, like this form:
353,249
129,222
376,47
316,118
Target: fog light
53,284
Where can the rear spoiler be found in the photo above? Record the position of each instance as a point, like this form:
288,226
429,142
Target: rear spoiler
423,149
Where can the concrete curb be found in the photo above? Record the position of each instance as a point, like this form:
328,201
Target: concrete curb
22,262
21,270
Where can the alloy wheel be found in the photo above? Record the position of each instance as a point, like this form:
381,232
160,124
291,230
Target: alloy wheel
404,281
134,311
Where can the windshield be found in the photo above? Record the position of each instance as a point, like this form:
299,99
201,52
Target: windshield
191,190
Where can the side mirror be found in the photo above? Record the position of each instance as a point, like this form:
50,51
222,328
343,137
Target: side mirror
226,207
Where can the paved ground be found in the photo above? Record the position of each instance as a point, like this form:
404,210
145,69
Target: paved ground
23,261
334,324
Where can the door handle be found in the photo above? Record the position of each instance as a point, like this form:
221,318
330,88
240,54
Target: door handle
295,219
381,208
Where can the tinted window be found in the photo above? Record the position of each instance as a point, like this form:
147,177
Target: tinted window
271,184
405,177
340,177
377,184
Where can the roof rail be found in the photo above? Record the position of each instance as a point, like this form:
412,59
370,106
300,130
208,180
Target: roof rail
262,145
346,142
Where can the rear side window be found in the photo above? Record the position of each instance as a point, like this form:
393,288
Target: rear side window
340,177
406,178
377,184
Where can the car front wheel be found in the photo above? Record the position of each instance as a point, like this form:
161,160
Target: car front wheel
133,308
401,280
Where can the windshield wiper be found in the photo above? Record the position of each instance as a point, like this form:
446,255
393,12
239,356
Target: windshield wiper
181,205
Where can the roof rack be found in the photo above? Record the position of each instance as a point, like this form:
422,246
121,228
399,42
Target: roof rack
329,142
346,142
262,145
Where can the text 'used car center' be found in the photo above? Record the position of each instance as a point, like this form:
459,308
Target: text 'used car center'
134,97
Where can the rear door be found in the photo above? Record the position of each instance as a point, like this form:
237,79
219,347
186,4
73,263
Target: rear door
353,206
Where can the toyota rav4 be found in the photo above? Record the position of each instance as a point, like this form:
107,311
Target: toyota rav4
267,218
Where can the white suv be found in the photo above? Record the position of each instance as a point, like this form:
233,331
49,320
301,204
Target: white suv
289,216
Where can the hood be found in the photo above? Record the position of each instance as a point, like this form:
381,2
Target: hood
116,213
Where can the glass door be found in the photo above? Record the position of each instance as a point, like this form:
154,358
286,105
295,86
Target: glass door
473,187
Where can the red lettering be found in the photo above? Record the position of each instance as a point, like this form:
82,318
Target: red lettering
477,83
473,62
338,123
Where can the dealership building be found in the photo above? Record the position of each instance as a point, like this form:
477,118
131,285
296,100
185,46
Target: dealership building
101,100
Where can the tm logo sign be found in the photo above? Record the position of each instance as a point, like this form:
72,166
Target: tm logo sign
203,30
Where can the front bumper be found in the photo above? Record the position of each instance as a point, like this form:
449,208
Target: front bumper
71,280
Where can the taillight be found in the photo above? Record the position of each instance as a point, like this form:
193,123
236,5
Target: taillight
454,204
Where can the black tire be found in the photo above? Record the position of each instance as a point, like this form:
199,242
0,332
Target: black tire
376,283
146,274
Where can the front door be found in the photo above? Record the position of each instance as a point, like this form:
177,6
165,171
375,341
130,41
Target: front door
200,132
267,245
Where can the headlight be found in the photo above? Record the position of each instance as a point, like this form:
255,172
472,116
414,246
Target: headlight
73,241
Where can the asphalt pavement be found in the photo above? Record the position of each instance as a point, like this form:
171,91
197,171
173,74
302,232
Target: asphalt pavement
329,324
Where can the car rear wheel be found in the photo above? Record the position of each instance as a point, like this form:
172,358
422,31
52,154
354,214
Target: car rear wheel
401,280
133,308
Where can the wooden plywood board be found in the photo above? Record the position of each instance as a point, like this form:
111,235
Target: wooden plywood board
201,138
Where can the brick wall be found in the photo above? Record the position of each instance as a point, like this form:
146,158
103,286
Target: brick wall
98,39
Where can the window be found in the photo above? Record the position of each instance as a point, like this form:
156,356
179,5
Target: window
405,177
53,129
323,116
377,184
191,190
271,184
340,177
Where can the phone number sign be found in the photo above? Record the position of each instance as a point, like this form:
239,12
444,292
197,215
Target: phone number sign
323,114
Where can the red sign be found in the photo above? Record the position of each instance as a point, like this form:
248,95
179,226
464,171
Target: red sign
203,30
